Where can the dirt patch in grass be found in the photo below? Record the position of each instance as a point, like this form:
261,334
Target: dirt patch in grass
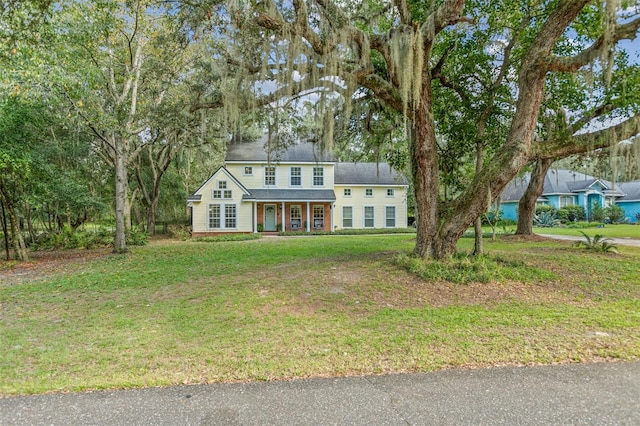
43,264
375,282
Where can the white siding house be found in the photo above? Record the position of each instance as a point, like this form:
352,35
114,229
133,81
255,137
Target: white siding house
297,189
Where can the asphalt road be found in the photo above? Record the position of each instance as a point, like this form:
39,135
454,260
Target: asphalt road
634,242
585,394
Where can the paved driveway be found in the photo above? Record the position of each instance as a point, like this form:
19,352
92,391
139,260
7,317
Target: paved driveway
619,241
588,394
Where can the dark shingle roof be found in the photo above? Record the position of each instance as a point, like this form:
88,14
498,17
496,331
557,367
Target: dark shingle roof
557,181
367,174
291,195
631,190
306,152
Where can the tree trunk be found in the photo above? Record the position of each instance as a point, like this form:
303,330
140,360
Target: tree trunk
120,241
30,228
19,246
151,217
477,225
527,204
5,229
424,168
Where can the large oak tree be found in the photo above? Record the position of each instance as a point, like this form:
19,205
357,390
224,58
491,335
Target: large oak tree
410,56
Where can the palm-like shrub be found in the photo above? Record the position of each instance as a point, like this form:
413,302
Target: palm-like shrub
597,243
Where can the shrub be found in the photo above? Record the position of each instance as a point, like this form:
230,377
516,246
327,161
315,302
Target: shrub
465,269
368,231
582,225
507,222
179,232
546,219
615,214
544,208
571,214
228,237
597,213
69,239
597,243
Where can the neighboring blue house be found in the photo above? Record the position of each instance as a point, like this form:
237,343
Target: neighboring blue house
566,187
630,202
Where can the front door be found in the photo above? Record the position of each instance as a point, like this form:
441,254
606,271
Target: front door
270,217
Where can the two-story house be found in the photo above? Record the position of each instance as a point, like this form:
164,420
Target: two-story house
298,189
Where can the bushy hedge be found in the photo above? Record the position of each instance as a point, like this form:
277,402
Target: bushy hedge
69,239
368,231
228,237
571,214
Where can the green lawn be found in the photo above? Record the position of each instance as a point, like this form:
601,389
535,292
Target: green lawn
173,313
609,231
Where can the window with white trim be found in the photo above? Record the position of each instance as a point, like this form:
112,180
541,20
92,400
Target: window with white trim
391,192
248,171
318,176
214,216
390,216
296,217
368,192
347,192
566,200
222,216
347,216
318,217
369,216
219,193
270,176
229,216
222,184
295,176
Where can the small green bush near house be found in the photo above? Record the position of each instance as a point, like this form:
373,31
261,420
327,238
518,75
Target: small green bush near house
583,225
568,214
543,208
615,214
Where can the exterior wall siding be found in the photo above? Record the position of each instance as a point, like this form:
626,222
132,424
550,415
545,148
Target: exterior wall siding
509,210
631,208
200,211
379,201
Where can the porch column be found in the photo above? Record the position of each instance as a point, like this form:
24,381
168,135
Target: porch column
283,218
308,219
331,206
255,217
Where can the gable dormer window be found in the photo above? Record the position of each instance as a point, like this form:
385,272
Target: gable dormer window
222,184
270,176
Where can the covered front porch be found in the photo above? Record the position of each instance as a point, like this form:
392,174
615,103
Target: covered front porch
292,210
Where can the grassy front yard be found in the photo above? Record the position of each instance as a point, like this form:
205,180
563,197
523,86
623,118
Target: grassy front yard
609,231
172,313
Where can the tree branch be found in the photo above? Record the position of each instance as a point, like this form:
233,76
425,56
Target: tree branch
628,31
586,142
